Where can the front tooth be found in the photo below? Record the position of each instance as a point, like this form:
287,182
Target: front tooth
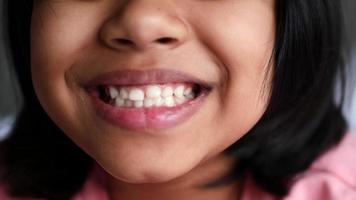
138,104
169,101
119,102
128,103
179,100
113,92
158,101
124,94
148,103
179,91
167,92
153,91
136,95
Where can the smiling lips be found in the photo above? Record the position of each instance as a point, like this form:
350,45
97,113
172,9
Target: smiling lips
154,99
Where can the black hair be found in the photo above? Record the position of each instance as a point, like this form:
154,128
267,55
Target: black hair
301,122
37,160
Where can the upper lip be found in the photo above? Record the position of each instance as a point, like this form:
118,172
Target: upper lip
144,77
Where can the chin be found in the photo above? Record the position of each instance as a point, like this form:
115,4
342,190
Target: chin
147,173
148,176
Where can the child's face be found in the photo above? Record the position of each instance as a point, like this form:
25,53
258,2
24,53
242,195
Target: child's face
224,44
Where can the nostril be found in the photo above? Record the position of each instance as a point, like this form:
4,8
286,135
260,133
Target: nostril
125,42
166,40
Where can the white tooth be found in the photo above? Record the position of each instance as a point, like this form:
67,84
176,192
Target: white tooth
169,101
113,92
187,91
124,94
128,103
190,96
179,91
153,91
138,104
179,100
167,92
148,103
119,102
136,95
158,101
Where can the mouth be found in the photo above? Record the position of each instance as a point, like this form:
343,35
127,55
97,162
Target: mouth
148,96
154,99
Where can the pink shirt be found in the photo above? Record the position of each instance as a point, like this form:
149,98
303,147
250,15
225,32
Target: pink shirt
331,177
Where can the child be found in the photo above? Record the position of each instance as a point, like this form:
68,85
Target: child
177,99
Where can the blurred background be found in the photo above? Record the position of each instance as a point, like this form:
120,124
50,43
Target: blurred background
349,7
10,96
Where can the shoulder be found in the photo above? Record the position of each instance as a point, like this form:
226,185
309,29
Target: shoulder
332,176
322,185
3,192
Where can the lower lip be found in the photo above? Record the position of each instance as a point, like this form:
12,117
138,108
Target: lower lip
147,118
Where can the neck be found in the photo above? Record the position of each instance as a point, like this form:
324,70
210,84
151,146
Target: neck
188,186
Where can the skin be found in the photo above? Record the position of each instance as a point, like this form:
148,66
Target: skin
227,43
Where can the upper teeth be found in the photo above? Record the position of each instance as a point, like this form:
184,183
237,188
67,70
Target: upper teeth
151,95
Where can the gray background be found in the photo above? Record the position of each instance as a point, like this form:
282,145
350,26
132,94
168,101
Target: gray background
10,101
349,7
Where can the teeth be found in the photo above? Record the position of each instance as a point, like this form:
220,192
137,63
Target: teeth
158,101
147,103
138,104
136,95
153,91
119,102
188,93
167,92
169,101
179,100
124,94
151,95
190,96
113,92
179,91
128,103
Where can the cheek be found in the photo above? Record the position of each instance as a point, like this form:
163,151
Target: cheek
49,60
243,44
248,85
56,45
56,40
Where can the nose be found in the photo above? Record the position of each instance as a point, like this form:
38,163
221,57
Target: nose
144,24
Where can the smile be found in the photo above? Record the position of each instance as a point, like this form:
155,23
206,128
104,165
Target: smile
154,99
166,95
